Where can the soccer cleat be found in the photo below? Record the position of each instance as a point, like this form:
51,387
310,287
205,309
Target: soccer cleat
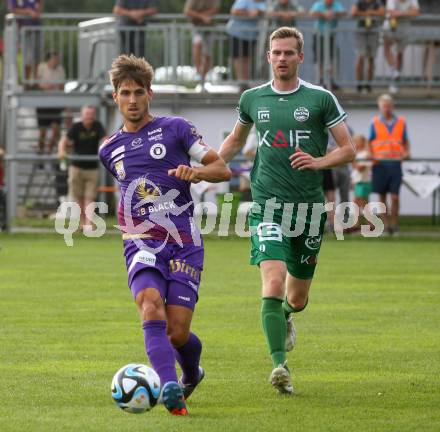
290,334
172,398
187,389
280,379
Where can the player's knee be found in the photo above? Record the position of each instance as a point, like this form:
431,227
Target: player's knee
152,310
177,336
274,286
297,301
150,306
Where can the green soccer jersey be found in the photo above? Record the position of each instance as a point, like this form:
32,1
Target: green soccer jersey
286,121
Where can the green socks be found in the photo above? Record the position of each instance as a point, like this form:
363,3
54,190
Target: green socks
274,327
287,309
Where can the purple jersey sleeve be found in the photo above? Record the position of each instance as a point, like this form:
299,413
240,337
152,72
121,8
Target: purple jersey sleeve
104,155
187,133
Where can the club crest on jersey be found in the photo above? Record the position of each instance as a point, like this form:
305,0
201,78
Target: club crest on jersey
301,114
158,151
120,170
263,115
136,143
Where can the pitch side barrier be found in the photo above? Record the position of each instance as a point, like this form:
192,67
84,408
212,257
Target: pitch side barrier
418,179
87,43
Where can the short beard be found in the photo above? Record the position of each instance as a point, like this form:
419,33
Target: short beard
286,77
135,119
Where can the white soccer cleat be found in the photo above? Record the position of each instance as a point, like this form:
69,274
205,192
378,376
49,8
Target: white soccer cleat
290,334
281,380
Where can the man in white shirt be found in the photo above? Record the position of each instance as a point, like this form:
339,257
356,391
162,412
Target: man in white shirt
396,33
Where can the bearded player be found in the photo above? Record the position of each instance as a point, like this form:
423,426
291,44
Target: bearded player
293,119
150,158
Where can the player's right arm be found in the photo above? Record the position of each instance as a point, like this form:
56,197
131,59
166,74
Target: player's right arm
235,141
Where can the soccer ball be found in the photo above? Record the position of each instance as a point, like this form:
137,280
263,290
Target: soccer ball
136,388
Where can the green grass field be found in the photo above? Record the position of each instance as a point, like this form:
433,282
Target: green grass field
367,356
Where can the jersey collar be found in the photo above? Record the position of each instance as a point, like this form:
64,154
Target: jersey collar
300,82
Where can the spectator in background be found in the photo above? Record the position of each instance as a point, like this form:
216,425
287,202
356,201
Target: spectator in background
396,32
431,46
50,77
133,14
83,138
389,145
284,13
200,12
367,38
243,29
327,12
340,180
30,10
361,175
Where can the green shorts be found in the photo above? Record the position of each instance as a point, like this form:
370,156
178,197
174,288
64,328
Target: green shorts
362,190
300,253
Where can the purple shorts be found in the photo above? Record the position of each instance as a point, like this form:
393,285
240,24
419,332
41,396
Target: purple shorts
174,271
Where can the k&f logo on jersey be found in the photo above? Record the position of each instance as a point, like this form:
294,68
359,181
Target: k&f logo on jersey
301,114
263,115
158,151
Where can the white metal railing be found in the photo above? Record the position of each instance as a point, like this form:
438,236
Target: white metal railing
88,43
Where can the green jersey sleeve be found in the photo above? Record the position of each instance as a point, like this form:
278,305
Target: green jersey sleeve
332,110
243,109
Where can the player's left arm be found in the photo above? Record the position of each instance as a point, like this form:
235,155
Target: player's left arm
213,169
344,153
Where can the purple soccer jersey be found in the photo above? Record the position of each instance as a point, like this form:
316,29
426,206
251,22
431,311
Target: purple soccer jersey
156,211
140,162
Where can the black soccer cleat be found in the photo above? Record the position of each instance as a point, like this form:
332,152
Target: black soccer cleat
187,389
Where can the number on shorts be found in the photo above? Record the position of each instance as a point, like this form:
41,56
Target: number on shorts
269,231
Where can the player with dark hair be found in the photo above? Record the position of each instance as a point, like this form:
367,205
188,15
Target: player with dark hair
292,118
150,158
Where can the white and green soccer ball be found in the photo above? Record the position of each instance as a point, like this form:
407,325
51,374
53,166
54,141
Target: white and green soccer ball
136,388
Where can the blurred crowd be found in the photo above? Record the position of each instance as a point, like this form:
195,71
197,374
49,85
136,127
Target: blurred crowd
377,20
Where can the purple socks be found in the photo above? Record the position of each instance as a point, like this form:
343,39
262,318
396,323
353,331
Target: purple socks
188,357
159,350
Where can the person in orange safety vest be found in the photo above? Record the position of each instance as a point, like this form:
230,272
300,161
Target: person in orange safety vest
389,145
